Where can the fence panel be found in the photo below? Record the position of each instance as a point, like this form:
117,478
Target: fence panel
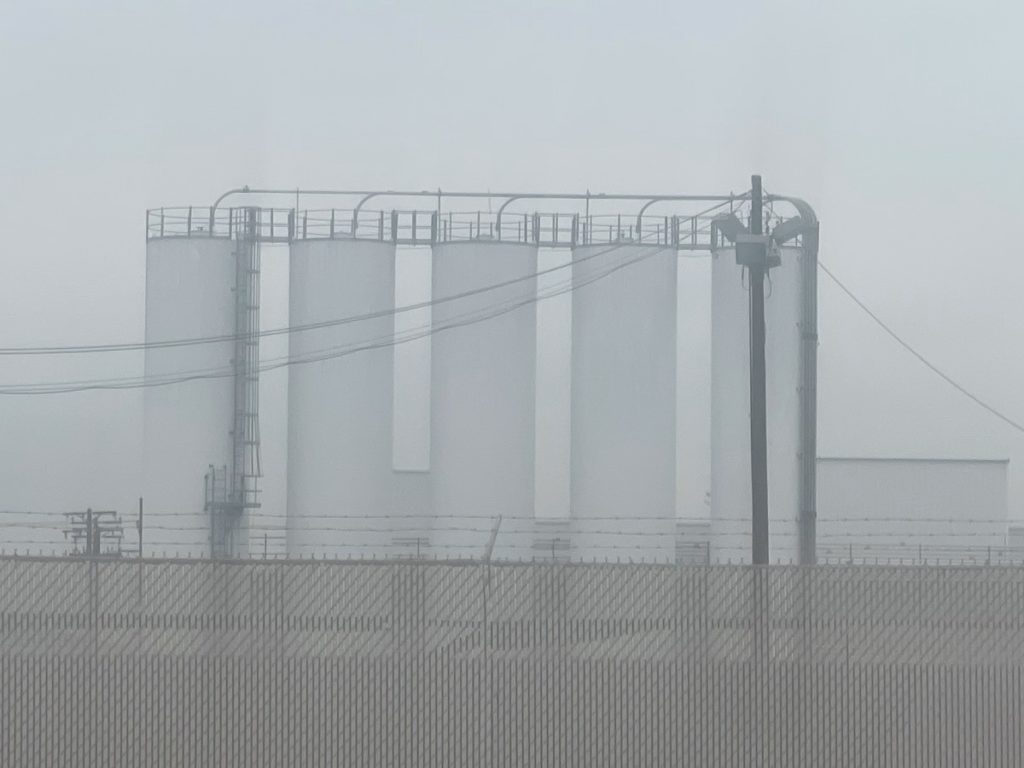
172,663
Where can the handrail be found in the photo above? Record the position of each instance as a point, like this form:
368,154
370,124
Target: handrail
804,210
439,194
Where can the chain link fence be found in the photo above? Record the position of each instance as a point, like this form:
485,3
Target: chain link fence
163,662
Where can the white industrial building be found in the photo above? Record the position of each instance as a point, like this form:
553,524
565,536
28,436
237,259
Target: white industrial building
891,509
894,510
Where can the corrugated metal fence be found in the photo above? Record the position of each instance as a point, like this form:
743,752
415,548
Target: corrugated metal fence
317,663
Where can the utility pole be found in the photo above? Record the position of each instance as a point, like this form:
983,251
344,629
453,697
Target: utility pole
752,252
91,539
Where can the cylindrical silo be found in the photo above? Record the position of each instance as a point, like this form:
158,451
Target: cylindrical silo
340,479
482,395
624,400
693,387
187,426
730,406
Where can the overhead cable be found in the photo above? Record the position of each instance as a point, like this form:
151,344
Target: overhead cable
292,329
469,318
921,358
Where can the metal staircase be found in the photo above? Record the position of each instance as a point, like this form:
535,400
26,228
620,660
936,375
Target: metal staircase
233,490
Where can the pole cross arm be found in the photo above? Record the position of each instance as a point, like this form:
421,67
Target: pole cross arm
789,229
728,226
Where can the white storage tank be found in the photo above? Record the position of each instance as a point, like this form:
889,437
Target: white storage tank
187,426
340,478
730,407
623,444
693,387
482,396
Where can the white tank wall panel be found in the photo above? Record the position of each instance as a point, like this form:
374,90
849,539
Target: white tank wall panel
187,426
730,410
554,366
268,523
730,406
340,473
623,452
482,392
693,386
412,361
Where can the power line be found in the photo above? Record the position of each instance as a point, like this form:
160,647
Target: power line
927,363
396,339
319,355
136,346
391,340
291,329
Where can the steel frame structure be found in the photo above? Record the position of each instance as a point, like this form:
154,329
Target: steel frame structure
699,228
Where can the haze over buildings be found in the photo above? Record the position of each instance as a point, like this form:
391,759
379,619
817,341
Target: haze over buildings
907,156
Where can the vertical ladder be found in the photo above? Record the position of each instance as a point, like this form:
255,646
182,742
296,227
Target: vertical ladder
246,464
236,489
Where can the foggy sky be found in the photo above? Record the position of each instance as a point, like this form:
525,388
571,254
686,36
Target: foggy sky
899,121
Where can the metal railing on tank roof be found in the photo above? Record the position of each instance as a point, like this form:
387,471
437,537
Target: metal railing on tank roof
273,224
543,229
687,228
331,223
547,229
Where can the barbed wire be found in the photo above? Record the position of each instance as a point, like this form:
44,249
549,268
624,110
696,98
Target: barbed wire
187,552
550,520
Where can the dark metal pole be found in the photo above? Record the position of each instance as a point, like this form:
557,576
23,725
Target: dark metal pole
140,562
759,468
758,406
89,534
211,488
